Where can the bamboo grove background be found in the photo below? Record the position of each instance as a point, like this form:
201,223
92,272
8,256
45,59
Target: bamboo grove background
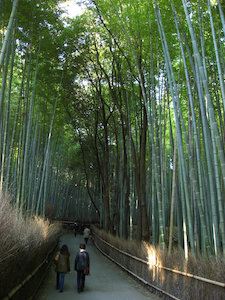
117,116
32,158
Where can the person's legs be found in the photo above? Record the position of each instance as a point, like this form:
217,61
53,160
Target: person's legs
78,281
61,282
57,280
82,281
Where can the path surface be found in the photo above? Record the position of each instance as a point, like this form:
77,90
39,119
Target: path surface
105,282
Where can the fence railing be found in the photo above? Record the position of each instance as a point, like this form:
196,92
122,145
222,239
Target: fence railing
171,283
16,290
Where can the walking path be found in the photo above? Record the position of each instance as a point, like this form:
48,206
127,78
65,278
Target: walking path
105,282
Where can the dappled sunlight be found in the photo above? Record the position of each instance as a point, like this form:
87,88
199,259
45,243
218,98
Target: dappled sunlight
151,256
43,226
154,262
21,233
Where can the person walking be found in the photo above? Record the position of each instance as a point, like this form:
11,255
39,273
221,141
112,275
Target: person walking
86,234
75,229
82,266
62,262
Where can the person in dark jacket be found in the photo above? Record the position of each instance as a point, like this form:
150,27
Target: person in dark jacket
82,265
62,262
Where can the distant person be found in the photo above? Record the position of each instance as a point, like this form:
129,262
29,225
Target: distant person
82,266
86,234
62,262
75,229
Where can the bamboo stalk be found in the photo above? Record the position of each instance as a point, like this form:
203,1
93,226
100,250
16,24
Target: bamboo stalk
8,32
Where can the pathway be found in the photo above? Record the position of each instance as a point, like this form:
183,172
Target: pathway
105,282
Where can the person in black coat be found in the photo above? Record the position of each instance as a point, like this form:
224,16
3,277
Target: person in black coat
82,265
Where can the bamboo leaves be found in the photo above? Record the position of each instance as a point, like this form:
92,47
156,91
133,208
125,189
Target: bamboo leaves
200,148
25,147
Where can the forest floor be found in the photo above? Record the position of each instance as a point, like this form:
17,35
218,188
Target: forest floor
106,280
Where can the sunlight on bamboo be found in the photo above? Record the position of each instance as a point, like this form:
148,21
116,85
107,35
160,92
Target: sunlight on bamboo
213,2
153,261
151,257
43,225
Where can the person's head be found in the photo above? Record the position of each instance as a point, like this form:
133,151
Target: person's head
82,246
64,250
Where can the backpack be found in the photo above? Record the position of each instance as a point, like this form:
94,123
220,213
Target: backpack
81,261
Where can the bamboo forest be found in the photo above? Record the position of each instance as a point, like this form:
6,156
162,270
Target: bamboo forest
116,116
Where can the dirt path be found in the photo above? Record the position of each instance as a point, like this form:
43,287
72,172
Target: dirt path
106,280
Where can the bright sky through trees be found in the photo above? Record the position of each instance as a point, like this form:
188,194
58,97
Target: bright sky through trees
72,7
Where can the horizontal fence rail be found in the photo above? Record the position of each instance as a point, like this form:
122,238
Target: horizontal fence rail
45,262
173,284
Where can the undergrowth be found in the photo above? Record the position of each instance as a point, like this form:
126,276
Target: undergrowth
211,268
25,242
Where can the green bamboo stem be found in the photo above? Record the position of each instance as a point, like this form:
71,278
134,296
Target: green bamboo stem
38,206
201,201
178,126
220,73
8,32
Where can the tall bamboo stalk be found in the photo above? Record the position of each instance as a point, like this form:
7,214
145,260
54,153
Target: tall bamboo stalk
175,99
8,33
